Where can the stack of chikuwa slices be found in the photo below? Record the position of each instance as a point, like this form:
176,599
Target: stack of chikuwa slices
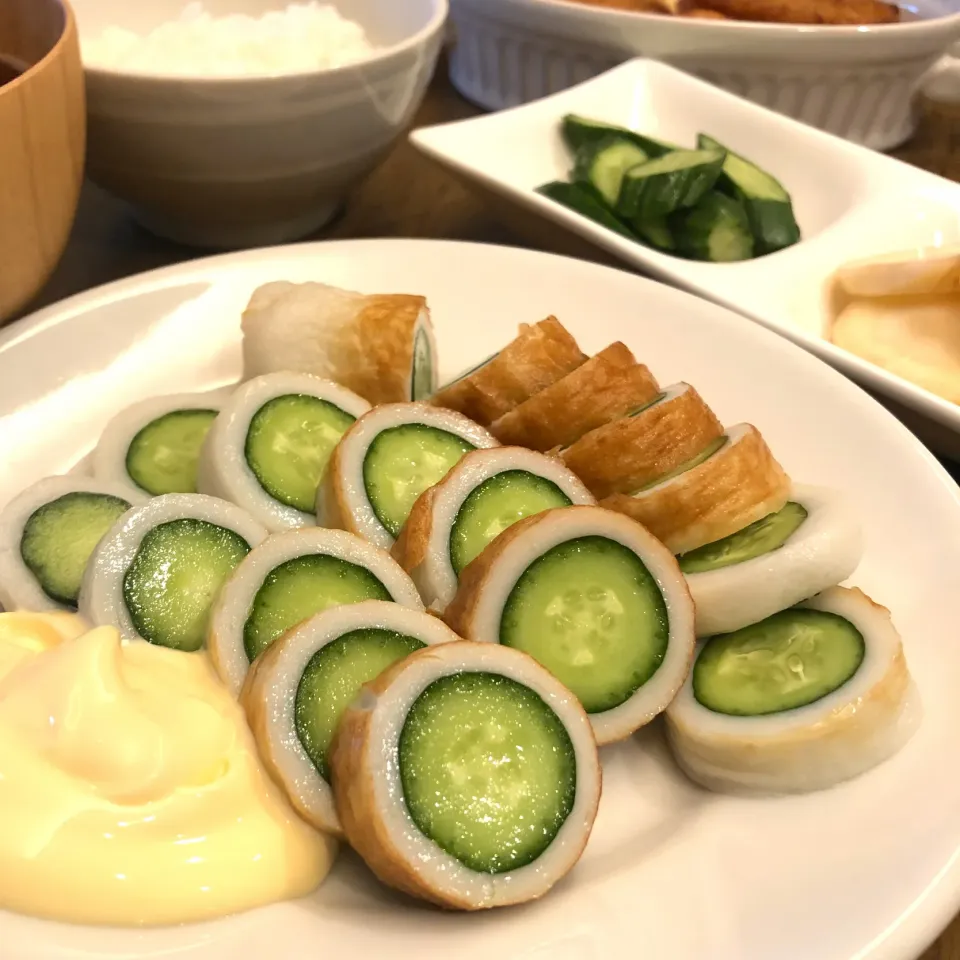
434,609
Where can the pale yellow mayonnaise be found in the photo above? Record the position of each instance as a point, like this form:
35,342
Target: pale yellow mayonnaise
130,789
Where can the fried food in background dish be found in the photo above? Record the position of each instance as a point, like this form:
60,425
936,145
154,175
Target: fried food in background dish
704,15
668,7
837,12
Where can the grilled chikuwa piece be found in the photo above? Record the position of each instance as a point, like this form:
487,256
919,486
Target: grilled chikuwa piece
726,487
639,449
609,385
539,355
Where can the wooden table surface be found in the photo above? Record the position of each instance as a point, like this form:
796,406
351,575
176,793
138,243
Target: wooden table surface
408,196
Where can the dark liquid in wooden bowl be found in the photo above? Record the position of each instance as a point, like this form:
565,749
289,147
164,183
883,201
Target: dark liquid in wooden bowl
8,71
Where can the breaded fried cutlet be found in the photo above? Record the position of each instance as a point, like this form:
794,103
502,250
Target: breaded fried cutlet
837,12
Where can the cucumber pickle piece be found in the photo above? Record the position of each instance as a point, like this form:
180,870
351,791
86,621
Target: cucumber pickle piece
332,679
59,537
404,461
488,770
713,447
591,613
498,503
602,165
301,587
162,457
577,131
175,577
760,537
787,661
288,444
421,376
584,199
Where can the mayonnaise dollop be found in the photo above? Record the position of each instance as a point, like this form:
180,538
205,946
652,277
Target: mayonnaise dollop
130,788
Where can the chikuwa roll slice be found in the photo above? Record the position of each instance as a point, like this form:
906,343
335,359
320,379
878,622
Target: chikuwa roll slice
486,492
593,597
47,534
661,435
728,486
156,574
609,385
268,449
467,775
386,460
288,578
153,446
812,543
804,699
539,356
380,345
297,691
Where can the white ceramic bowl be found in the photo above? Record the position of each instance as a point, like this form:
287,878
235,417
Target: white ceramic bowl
856,82
243,162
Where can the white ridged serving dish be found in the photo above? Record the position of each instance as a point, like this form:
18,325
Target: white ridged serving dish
856,82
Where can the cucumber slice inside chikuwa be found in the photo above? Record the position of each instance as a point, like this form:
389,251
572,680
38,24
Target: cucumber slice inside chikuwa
768,206
701,457
591,613
603,164
162,457
675,181
488,770
716,230
791,659
333,678
174,578
421,376
583,199
59,537
301,587
578,131
404,461
498,503
288,444
759,538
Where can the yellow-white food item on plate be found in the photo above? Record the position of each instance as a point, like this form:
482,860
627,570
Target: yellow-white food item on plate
537,357
904,273
807,698
442,764
297,690
917,338
731,484
381,346
593,597
484,494
608,385
130,788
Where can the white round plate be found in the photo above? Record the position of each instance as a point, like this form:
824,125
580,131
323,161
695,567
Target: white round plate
866,870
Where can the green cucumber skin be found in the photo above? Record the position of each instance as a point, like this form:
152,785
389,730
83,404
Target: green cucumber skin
656,233
737,674
650,197
496,733
717,230
579,131
771,218
583,199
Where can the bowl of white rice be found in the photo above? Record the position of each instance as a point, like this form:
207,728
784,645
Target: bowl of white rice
238,123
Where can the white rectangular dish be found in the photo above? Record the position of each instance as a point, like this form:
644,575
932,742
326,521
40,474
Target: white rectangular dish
850,202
